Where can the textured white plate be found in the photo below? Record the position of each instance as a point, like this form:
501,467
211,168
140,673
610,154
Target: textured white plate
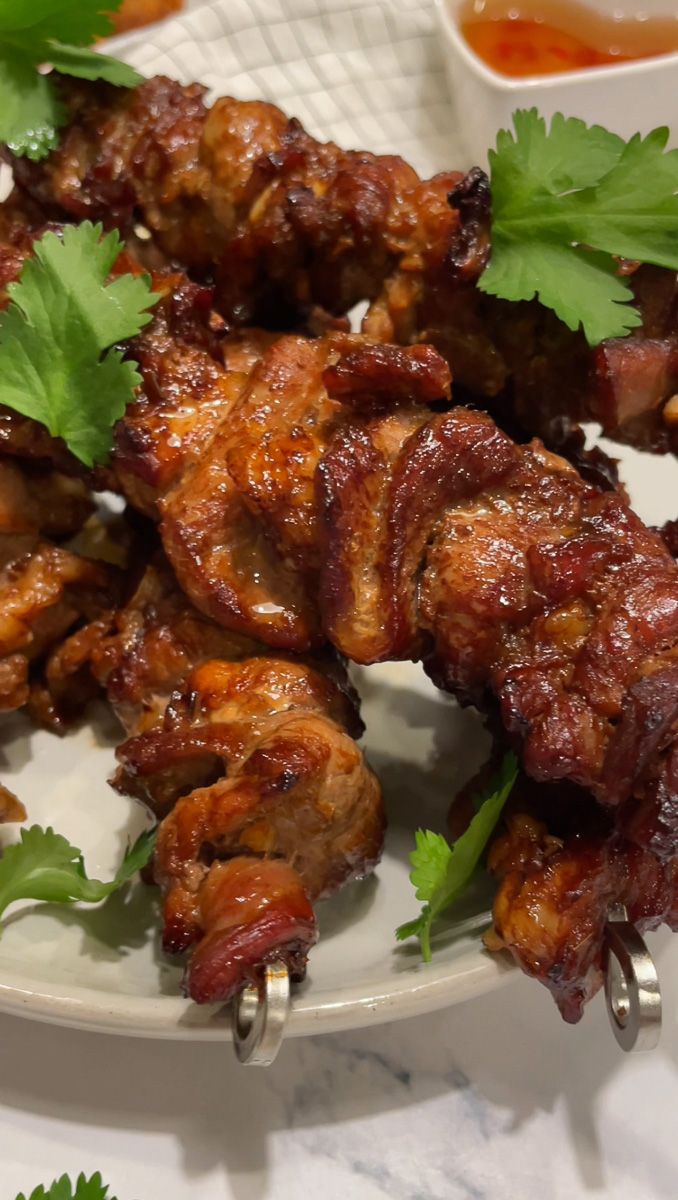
366,74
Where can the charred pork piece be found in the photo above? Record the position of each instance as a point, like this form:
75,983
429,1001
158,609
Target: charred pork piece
243,527
518,359
288,221
187,390
141,653
332,502
46,590
265,801
276,809
561,867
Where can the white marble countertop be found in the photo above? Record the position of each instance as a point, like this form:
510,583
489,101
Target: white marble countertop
495,1098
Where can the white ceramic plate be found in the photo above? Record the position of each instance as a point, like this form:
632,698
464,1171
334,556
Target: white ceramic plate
365,74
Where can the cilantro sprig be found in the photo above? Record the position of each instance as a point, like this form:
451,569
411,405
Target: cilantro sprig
440,871
44,865
64,1189
57,33
565,202
57,364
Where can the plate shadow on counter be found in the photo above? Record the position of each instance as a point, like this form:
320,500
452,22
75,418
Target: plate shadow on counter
491,1067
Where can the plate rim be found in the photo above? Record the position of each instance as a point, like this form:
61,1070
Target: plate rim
174,1018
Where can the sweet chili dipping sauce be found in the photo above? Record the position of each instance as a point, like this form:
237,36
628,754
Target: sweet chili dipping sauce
543,37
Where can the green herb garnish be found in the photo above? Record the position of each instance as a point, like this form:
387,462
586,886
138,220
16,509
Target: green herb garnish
440,871
63,1189
57,33
565,201
45,866
56,361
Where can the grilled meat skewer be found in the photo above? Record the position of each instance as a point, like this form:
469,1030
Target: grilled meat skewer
411,532
249,761
340,496
286,222
332,503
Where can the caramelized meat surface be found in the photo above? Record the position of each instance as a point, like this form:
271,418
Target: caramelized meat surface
288,221
45,589
554,896
332,502
265,801
242,526
141,652
36,499
192,377
45,592
144,651
518,359
294,810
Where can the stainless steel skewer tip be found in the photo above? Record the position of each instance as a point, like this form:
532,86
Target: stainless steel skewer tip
632,992
260,1016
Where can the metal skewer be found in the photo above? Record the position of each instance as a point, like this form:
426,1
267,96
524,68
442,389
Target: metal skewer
260,1015
632,994
634,1002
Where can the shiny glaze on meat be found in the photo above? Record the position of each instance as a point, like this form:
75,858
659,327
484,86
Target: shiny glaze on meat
45,589
296,789
332,501
141,652
242,526
555,892
265,801
288,222
186,392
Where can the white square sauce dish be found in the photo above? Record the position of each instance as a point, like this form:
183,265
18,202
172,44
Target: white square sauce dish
629,96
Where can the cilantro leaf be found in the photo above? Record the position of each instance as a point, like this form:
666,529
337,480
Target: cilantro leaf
30,111
57,33
633,211
440,871
62,1189
571,155
89,64
558,275
78,21
565,202
45,866
56,361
